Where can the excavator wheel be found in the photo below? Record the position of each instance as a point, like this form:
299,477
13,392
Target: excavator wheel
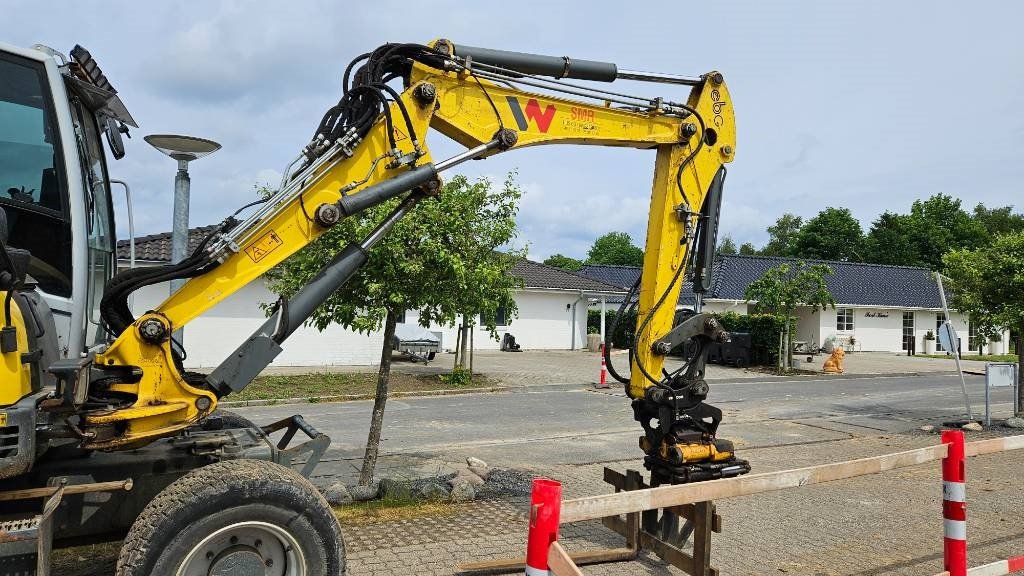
235,517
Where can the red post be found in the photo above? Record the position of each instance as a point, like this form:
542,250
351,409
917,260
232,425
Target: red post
603,382
954,504
545,509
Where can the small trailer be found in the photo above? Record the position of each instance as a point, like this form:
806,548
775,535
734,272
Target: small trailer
420,344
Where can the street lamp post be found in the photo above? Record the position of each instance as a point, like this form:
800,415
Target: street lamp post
184,149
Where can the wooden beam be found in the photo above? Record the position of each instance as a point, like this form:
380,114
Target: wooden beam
579,558
559,562
593,507
993,445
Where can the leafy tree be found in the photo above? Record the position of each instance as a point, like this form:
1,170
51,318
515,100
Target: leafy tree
747,249
726,247
939,225
890,241
834,234
615,248
564,262
782,234
782,288
998,220
440,260
988,283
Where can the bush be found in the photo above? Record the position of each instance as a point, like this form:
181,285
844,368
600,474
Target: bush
624,333
764,330
458,377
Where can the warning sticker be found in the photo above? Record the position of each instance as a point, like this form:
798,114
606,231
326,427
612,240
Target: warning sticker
266,244
3,419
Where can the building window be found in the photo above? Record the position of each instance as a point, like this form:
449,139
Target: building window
908,330
844,319
500,317
401,317
973,342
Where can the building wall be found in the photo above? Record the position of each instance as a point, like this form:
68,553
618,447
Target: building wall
544,322
881,329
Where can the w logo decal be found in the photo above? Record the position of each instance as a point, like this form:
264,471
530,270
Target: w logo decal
532,112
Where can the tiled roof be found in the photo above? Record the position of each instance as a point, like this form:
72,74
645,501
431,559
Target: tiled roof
852,283
536,275
157,248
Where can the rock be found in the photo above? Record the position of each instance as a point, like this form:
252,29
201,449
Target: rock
364,493
1015,422
389,487
972,427
476,462
434,491
463,492
927,428
337,494
467,477
481,472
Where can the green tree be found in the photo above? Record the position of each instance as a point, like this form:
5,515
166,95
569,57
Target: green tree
726,246
747,249
564,262
939,225
782,288
615,248
998,220
890,241
988,283
834,234
439,260
782,234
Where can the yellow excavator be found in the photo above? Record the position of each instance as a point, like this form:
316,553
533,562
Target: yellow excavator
105,435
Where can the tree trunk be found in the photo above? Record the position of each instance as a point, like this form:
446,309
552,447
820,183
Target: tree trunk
789,344
381,398
1020,369
465,342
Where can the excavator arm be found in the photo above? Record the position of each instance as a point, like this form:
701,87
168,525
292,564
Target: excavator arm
371,148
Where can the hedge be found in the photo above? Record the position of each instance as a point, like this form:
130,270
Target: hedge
764,330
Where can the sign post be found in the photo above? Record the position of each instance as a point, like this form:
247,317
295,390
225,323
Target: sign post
947,337
999,375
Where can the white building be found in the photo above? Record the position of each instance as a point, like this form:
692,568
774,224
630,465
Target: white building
552,315
879,308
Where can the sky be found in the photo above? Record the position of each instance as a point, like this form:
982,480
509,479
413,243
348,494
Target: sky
865,105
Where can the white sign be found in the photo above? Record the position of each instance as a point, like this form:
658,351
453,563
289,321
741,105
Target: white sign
947,337
1000,374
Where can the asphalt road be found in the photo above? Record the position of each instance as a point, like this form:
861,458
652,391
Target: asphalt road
575,425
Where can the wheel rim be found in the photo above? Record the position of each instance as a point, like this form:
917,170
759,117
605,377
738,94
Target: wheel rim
244,549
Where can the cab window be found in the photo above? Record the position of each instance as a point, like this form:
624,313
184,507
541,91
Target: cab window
32,189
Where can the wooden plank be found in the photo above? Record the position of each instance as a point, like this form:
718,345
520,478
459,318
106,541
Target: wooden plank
593,507
703,512
559,562
668,553
993,445
579,558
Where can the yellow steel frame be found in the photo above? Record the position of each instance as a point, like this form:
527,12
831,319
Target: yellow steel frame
469,110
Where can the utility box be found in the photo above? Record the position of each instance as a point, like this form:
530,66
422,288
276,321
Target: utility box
736,352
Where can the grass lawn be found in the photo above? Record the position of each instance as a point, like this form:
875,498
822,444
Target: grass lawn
362,384
979,357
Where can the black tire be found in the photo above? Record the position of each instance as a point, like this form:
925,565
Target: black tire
225,419
215,514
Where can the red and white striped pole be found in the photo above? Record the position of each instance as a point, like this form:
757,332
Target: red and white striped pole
545,509
954,504
603,382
